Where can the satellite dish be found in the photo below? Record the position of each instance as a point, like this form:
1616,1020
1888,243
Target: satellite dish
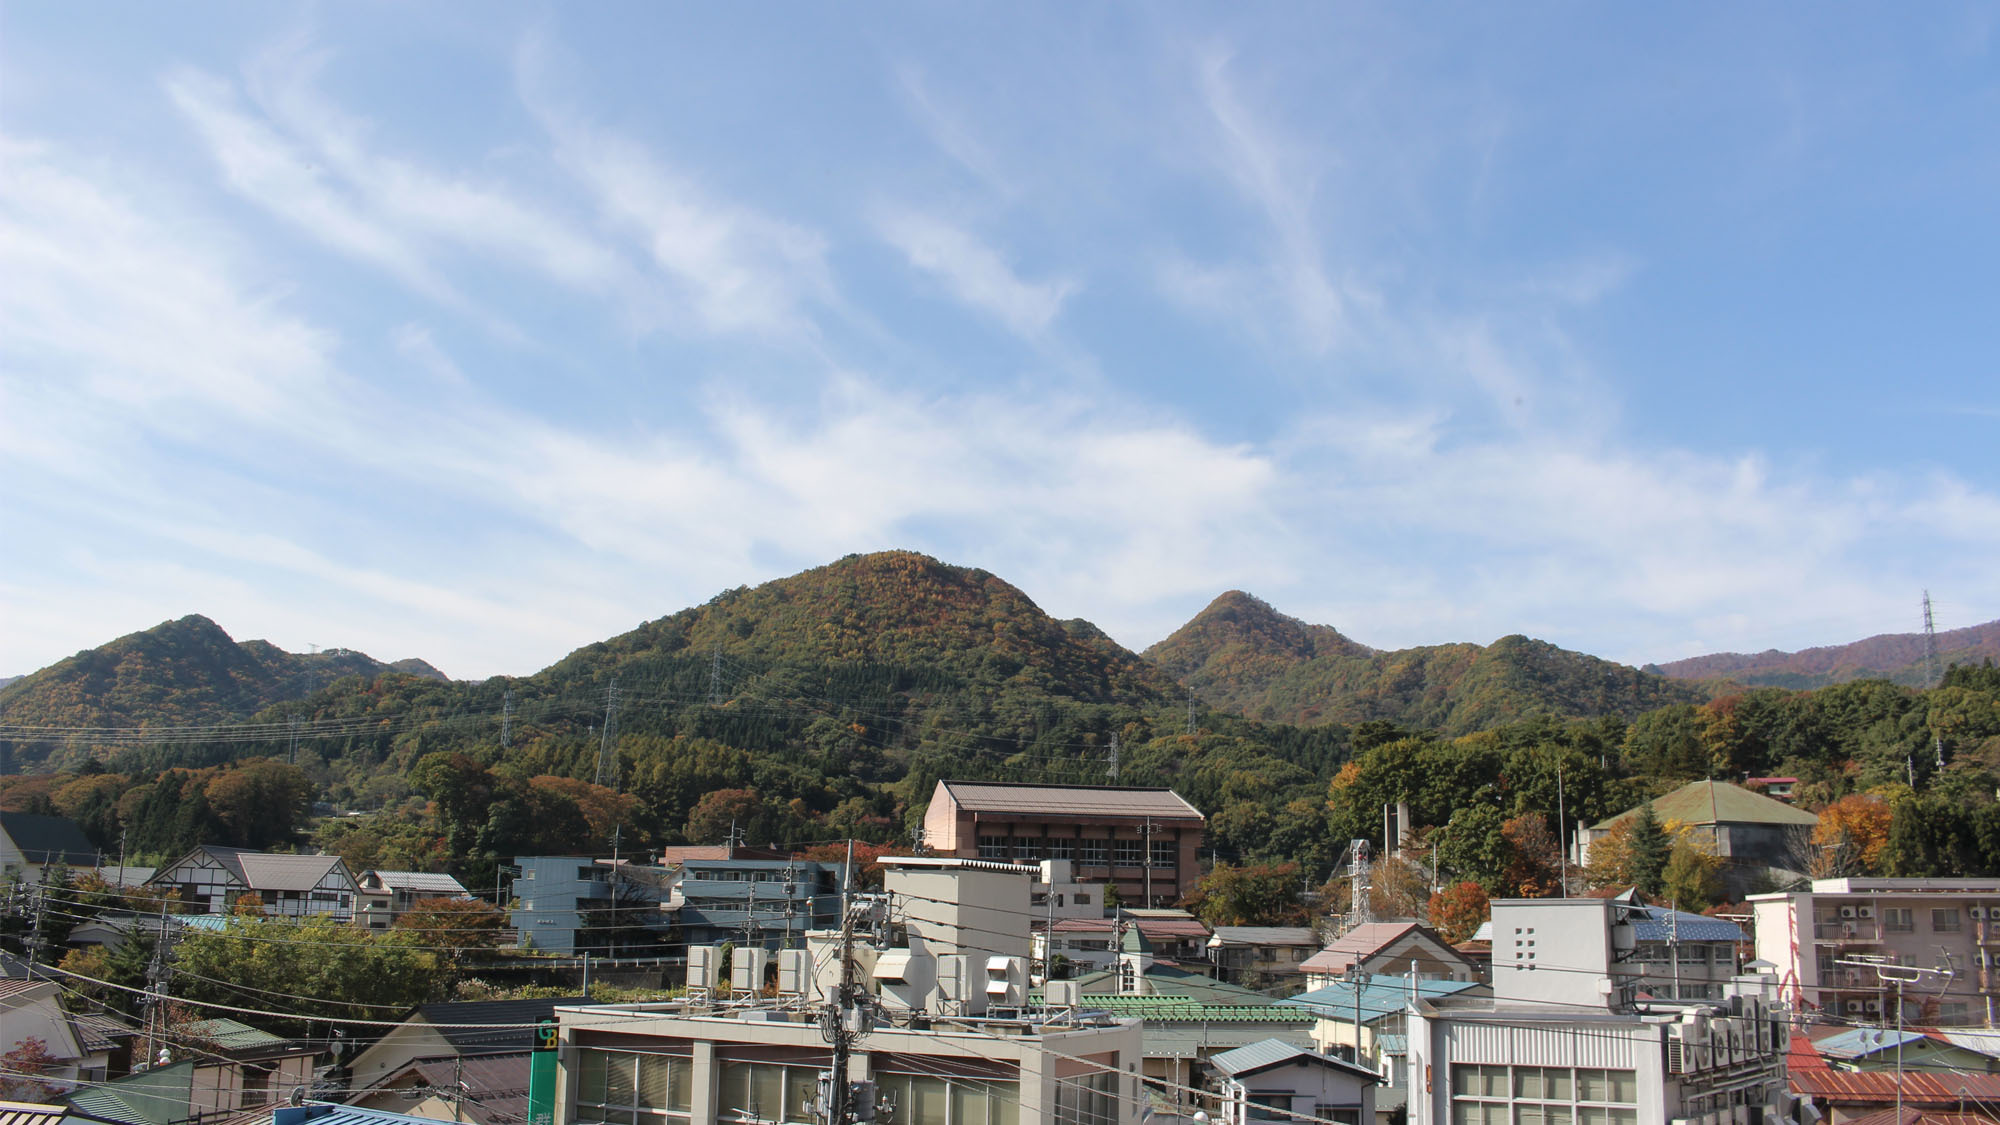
298,1097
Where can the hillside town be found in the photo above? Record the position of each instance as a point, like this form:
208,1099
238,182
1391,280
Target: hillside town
1034,961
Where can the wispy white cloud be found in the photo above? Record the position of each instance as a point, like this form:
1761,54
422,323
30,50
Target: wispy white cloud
952,135
975,273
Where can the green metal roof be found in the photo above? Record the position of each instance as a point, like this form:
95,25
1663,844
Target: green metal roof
1717,802
232,1036
1165,980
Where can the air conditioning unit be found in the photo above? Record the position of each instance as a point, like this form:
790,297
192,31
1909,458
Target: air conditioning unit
1854,1007
702,963
1865,911
1007,981
956,986
746,969
794,972
1871,1006
1977,912
1062,994
1847,912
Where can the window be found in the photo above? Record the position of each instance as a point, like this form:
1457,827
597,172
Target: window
1027,849
767,1092
1944,919
1896,919
1088,1099
624,1088
1126,853
1091,853
993,847
938,1100
1164,853
1082,898
1543,1095
1062,849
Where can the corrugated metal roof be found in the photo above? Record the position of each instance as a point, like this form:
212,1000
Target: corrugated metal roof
100,1032
1380,996
1918,1087
1182,1009
1198,1041
1168,981
1156,929
232,1036
1108,801
1982,1042
518,1016
1717,802
1861,1042
1663,924
1267,1053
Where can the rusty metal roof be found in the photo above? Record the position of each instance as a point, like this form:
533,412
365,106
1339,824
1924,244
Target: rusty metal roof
1107,801
1872,1087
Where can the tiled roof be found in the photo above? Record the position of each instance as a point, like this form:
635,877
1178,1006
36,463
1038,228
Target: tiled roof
48,839
416,882
125,876
500,1083
1717,802
98,1032
263,871
1361,942
1265,935
1110,801
1380,996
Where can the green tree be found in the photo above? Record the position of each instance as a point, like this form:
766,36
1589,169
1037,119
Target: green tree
1650,849
1253,895
1692,878
328,969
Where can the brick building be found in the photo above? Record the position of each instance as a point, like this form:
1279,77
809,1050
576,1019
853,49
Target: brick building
1146,842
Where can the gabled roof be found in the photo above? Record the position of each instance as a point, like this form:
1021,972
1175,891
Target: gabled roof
414,882
264,871
1270,1053
1380,996
1111,801
230,1035
48,839
1370,938
1860,1042
1717,802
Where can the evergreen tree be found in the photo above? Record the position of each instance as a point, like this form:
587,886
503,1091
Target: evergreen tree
1650,850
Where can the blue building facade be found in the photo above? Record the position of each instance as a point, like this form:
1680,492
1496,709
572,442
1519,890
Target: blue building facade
768,902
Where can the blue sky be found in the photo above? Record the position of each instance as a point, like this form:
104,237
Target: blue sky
479,332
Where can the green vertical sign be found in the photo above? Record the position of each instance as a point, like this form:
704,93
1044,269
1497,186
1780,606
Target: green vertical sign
542,1075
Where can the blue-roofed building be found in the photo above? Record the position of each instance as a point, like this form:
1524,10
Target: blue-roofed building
1382,1003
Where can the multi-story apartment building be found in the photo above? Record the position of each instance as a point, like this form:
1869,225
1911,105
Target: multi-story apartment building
767,902
1145,842
1822,941
1567,1038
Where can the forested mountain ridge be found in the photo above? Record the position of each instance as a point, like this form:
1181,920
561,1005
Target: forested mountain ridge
179,672
1243,655
895,608
1898,657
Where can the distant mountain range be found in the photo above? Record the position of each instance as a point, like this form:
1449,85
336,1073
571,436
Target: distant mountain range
924,628
1891,656
178,673
1242,655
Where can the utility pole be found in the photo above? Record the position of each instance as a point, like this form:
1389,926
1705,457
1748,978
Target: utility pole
1933,675
41,893
1146,857
1562,830
292,757
845,1019
1898,975
715,676
606,746
158,971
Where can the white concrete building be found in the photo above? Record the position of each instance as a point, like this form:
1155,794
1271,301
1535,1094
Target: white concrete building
1817,937
1564,1040
1275,1075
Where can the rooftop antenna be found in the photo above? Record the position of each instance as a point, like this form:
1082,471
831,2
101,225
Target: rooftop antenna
1932,675
606,745
1113,770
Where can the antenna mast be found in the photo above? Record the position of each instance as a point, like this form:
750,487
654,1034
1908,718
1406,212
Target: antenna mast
1932,676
